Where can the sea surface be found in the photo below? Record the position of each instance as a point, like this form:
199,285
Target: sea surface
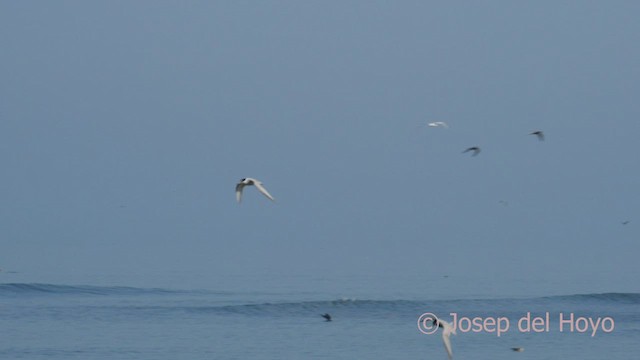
84,321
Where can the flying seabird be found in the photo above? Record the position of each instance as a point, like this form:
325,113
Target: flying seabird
447,330
539,134
249,181
475,149
327,317
438,124
625,222
518,349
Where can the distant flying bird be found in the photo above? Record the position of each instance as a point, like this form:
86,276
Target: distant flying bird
539,134
249,181
447,330
438,124
625,222
518,349
327,317
475,149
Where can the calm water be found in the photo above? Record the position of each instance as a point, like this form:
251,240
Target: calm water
50,321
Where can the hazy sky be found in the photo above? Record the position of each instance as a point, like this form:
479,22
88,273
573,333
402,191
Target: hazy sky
125,125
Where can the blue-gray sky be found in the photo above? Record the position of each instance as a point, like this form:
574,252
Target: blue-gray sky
124,127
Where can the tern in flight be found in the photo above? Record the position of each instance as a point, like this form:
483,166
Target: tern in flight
438,124
447,330
249,181
539,134
475,149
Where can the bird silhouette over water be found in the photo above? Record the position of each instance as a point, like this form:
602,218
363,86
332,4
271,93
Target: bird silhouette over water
438,124
327,317
447,330
475,149
250,181
539,134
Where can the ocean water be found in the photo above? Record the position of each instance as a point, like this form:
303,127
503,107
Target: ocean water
53,321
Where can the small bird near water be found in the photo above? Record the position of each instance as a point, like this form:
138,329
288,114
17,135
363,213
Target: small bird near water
250,181
447,330
475,149
539,134
438,124
327,317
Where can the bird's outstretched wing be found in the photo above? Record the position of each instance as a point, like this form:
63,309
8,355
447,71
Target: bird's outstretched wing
264,191
447,345
239,188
